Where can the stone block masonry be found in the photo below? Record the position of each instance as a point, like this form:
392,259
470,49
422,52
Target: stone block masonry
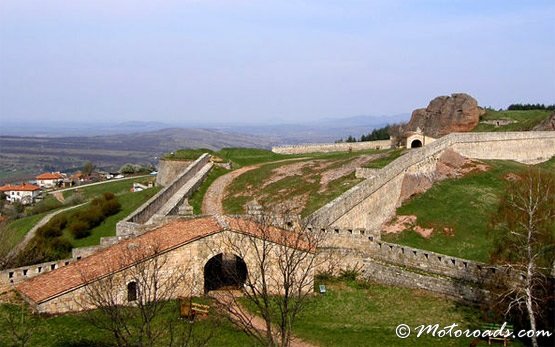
154,204
373,201
332,147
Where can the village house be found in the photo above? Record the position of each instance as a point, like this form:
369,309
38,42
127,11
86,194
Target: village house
49,179
25,193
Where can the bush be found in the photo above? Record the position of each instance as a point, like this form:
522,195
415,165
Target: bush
80,229
110,207
108,196
92,217
60,247
49,231
60,221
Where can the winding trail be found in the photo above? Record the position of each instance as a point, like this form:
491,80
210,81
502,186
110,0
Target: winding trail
215,194
31,233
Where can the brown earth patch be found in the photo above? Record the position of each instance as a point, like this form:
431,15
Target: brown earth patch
402,223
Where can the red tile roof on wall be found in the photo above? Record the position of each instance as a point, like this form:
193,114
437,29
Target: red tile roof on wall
174,234
25,187
114,258
50,176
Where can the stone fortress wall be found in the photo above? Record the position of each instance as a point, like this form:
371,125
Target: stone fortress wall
332,147
373,201
169,170
352,220
154,204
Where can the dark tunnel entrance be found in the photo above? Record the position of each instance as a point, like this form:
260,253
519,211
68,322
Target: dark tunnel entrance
224,271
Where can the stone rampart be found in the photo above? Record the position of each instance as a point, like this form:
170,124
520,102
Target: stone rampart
332,147
153,205
169,170
370,203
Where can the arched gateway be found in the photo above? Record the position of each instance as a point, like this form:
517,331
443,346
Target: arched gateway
224,271
204,251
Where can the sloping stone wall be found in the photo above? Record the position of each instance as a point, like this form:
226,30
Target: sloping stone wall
370,203
149,208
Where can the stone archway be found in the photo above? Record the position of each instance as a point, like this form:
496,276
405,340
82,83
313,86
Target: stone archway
224,271
416,143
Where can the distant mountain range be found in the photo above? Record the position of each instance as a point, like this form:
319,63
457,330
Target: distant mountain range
313,131
26,150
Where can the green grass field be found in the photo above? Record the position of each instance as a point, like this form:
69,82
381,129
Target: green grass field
366,314
466,205
525,120
349,314
73,330
116,187
129,202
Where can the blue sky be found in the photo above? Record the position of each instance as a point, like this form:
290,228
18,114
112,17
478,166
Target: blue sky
267,61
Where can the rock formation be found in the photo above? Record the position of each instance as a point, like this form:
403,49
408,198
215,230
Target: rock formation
445,114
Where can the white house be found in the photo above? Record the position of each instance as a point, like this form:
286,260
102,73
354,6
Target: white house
25,193
49,179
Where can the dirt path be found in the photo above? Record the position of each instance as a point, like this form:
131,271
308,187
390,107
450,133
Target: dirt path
228,304
212,201
215,194
31,233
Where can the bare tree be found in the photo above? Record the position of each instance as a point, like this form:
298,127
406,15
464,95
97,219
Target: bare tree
527,215
135,299
280,275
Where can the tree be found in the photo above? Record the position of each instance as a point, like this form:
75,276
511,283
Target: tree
527,217
19,324
88,168
133,304
280,275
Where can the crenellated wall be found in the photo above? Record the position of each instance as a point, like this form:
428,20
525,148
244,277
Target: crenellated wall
370,203
410,267
332,147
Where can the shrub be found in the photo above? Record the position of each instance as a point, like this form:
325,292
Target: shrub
108,196
60,221
92,217
110,207
49,231
60,247
350,274
80,229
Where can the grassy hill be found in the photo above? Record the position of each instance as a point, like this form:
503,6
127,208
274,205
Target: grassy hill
304,182
465,206
523,120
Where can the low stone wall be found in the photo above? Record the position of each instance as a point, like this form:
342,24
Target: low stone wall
332,147
149,208
10,277
370,203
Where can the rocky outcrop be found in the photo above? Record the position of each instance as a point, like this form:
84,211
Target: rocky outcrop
446,114
547,124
